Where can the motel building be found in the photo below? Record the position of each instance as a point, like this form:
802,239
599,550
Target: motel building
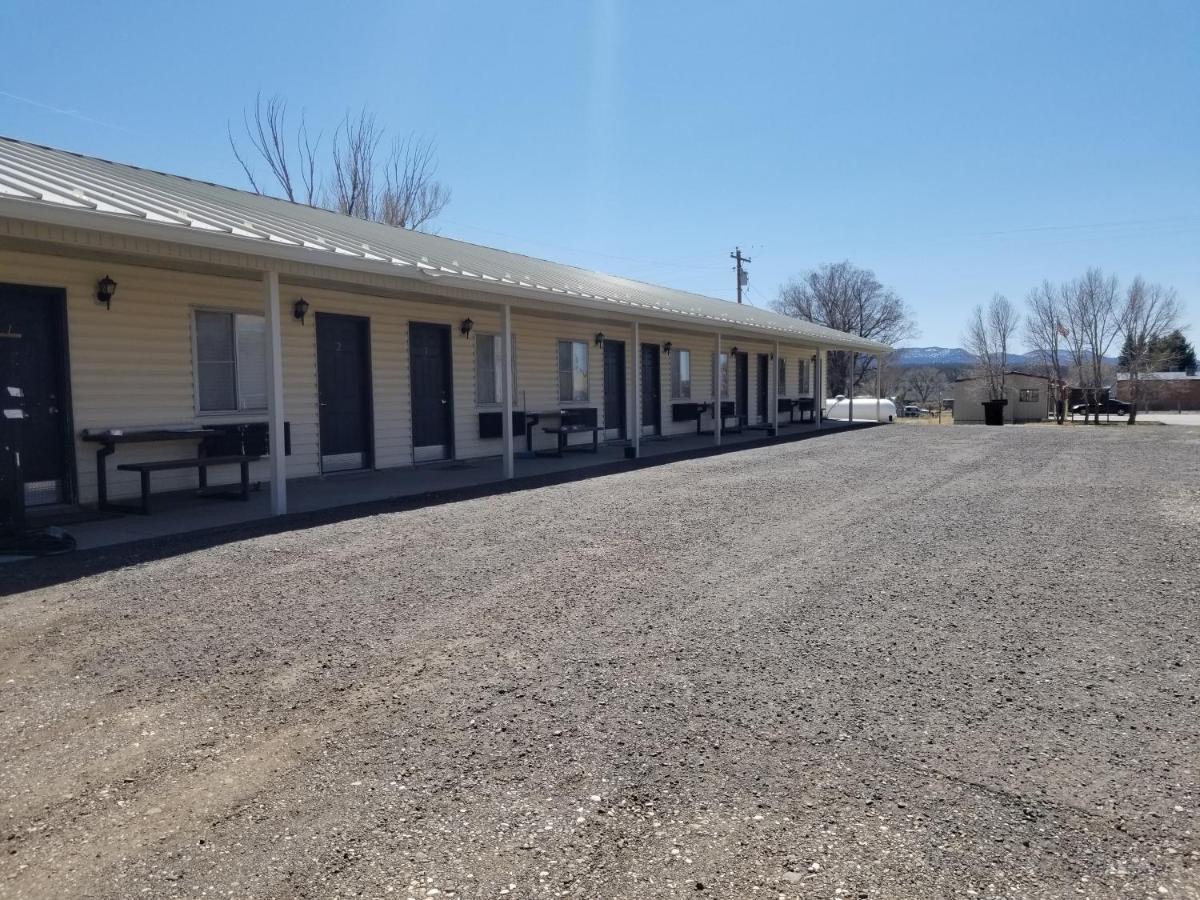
149,321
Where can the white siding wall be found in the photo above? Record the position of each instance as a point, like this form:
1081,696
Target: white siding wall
132,366
969,397
702,349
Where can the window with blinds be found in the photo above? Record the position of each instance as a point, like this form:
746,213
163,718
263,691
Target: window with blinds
681,374
572,371
489,369
231,362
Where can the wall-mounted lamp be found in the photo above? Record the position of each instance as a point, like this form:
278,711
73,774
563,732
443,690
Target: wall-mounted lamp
599,338
466,327
733,350
667,349
300,309
105,288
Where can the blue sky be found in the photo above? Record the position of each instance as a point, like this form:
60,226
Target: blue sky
956,148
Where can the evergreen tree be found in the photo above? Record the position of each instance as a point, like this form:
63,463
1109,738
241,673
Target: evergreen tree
1173,351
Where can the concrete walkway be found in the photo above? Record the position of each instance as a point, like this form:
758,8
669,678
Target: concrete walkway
182,512
1167,418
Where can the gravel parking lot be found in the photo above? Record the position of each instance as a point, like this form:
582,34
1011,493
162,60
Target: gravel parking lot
871,665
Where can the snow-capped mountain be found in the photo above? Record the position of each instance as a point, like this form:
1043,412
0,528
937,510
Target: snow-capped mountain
957,356
932,356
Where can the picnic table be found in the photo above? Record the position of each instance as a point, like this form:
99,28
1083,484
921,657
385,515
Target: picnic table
109,438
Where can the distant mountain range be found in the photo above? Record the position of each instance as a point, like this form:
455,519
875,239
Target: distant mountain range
957,356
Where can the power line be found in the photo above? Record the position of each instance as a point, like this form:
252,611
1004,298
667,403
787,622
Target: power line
630,259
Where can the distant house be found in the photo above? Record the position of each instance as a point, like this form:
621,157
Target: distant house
1162,390
1028,398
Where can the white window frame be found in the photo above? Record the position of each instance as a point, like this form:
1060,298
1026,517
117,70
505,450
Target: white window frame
240,407
723,376
681,388
587,366
1022,395
498,369
781,365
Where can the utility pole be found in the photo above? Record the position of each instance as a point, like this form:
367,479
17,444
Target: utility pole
743,278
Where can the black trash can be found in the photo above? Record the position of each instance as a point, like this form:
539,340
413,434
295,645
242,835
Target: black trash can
993,412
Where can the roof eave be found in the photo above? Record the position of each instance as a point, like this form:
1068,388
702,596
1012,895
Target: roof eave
413,276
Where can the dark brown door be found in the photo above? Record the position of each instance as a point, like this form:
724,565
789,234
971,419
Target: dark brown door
614,389
743,386
432,391
344,391
33,378
764,373
651,390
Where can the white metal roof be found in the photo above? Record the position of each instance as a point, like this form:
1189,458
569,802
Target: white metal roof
47,184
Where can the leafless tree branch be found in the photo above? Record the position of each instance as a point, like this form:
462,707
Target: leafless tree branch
399,188
846,298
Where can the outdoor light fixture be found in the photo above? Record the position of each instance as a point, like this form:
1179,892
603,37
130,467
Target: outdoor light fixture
733,350
466,327
667,349
105,288
599,338
300,309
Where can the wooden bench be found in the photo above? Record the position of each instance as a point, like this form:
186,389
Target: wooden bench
201,464
575,421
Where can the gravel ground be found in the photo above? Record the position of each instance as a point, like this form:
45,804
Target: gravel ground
716,678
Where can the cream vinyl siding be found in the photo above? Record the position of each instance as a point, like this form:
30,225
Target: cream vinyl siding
702,348
133,366
536,340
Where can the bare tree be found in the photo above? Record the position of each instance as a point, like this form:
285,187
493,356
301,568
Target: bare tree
1091,305
411,195
1046,333
351,184
846,298
989,334
267,131
399,187
927,382
1149,312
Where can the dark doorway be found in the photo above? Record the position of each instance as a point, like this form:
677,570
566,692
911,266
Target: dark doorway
743,386
344,391
33,363
432,391
614,389
651,390
764,396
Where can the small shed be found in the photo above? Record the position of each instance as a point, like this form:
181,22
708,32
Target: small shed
1029,398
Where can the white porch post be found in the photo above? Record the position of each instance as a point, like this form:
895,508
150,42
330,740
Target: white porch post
850,382
818,390
636,406
507,423
717,394
775,394
878,380
275,393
